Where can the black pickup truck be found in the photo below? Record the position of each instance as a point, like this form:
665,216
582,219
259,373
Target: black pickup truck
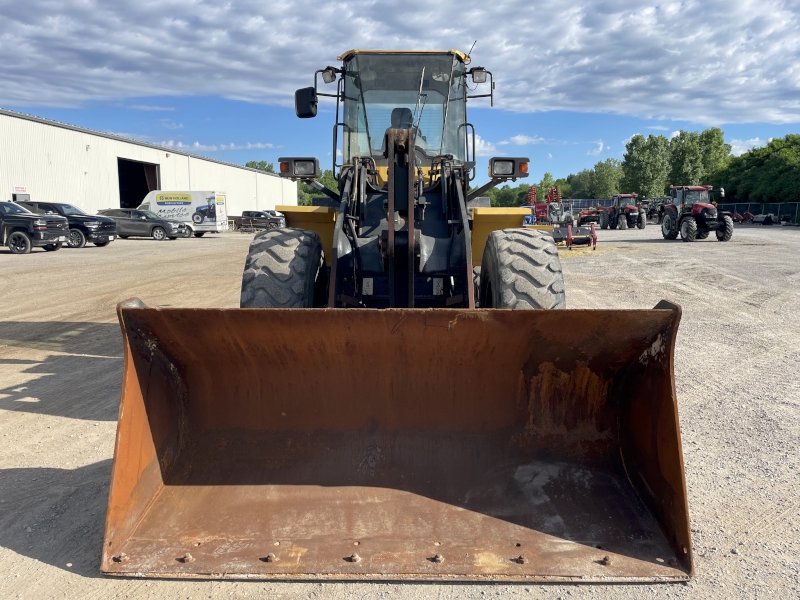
83,228
253,220
22,230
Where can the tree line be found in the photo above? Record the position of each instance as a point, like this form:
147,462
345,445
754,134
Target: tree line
650,164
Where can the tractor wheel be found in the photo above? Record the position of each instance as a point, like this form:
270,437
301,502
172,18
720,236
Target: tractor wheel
701,235
603,220
726,234
667,229
623,221
642,220
689,229
521,270
285,268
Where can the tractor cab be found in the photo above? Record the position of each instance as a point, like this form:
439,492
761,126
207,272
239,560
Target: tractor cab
622,201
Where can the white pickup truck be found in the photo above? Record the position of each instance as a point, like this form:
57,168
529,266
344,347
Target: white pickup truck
203,212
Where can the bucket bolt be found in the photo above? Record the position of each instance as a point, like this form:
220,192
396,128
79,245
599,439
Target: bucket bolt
521,559
121,558
187,558
438,558
353,558
606,561
270,558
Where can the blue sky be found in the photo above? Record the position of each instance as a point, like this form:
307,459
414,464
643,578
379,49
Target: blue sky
575,78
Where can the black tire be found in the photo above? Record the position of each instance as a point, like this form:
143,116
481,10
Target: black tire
53,247
19,242
622,219
197,218
123,237
603,220
521,270
688,229
701,235
668,231
725,235
642,220
101,244
199,234
76,238
285,268
158,234
476,285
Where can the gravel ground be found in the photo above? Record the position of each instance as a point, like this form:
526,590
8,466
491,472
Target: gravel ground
737,371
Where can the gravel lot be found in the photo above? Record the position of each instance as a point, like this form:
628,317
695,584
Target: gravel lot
737,371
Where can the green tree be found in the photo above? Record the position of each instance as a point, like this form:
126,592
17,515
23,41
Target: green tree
546,183
686,159
566,188
716,152
633,164
655,167
768,174
306,192
261,165
580,184
606,178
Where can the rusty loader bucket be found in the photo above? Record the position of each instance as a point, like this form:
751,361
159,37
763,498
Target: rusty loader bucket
399,445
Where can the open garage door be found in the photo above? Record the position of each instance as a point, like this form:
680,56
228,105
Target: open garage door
136,179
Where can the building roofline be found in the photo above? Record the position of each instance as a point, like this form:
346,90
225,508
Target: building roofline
119,138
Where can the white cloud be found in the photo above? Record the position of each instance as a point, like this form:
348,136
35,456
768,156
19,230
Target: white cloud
674,134
659,128
484,148
626,142
549,155
732,61
197,146
171,124
739,147
152,108
598,150
522,140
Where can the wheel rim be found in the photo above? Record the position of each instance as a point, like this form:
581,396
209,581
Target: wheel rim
74,239
665,228
685,229
158,234
17,243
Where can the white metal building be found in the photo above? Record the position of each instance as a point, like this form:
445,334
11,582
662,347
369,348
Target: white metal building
55,162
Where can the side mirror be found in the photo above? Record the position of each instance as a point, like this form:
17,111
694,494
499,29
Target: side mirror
305,103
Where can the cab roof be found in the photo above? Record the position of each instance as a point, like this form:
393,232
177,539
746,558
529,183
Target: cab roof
350,53
693,188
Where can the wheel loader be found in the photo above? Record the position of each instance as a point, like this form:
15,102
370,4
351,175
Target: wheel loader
440,414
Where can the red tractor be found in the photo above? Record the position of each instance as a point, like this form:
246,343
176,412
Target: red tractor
694,215
625,211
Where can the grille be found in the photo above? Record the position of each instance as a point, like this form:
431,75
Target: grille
57,225
107,227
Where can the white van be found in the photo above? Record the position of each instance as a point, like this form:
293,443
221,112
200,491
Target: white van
201,211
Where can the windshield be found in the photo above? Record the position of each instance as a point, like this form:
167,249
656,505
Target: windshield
693,196
623,202
383,91
150,215
69,210
13,209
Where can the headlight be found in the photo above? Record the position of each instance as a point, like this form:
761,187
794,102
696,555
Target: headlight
503,167
40,224
304,167
92,224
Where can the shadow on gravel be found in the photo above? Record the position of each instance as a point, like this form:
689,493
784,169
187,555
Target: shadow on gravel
80,377
56,516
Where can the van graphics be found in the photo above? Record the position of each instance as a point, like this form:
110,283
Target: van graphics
173,199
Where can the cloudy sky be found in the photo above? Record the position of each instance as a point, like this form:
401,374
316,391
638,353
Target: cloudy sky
575,79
